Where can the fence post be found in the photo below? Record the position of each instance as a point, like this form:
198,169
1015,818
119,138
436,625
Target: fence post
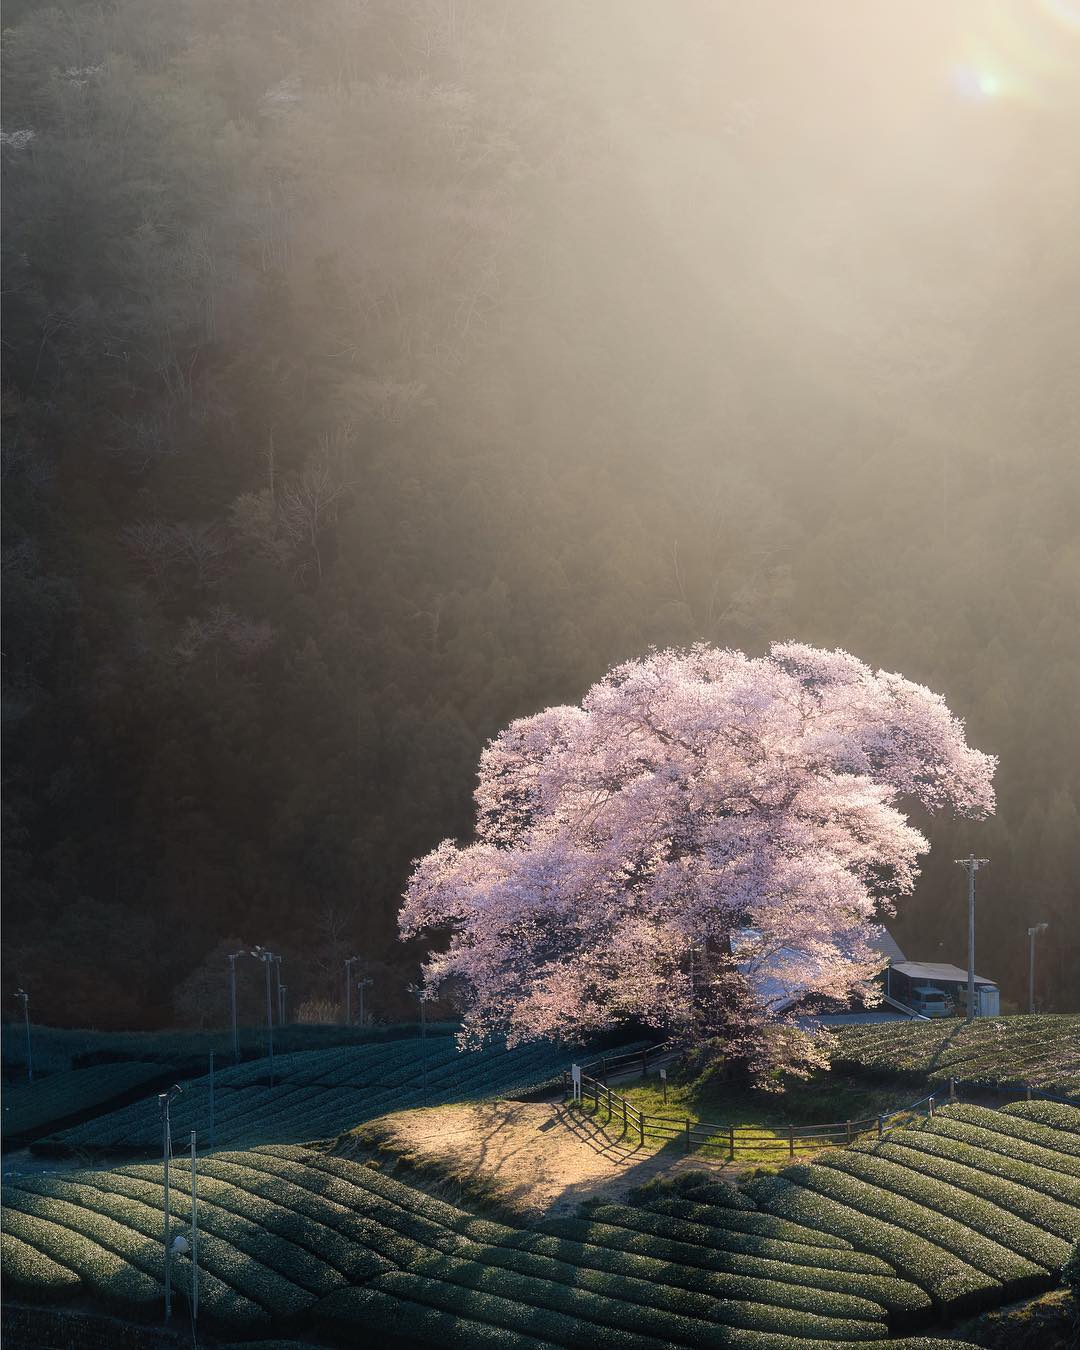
624,1115
609,1112
731,1143
931,1108
849,1133
641,1128
688,1134
880,1126
791,1141
603,1068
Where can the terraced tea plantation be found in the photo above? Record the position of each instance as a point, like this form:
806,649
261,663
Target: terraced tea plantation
1040,1051
34,1107
967,1210
876,1244
58,1049
306,1241
319,1094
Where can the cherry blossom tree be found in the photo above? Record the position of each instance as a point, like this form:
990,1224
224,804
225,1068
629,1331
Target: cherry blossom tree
705,836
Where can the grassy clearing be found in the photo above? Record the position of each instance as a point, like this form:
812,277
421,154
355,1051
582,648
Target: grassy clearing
760,1119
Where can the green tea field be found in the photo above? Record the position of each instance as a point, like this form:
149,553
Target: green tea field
1037,1051
891,1242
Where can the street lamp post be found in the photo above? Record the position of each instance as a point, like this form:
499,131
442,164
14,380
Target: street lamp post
165,1100
24,999
267,958
1032,934
971,865
350,962
232,1004
422,995
361,985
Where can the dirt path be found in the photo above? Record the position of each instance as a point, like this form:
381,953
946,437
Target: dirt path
540,1157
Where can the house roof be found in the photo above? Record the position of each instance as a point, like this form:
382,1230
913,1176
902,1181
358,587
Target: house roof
887,946
937,970
777,983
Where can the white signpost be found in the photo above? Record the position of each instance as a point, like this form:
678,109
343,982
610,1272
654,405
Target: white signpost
575,1079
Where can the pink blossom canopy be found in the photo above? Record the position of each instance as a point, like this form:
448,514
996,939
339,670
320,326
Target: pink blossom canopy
696,802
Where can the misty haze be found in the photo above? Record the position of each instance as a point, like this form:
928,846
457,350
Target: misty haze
556,522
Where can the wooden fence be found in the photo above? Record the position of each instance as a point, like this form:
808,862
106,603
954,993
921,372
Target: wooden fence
787,1140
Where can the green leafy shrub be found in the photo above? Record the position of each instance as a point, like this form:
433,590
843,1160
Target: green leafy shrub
1005,1145
29,1271
1019,1127
1058,1115
1042,1050
953,1284
33,1108
1061,1220
998,1263
958,1206
103,1271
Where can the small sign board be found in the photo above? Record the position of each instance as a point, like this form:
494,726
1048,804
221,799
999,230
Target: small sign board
575,1078
663,1074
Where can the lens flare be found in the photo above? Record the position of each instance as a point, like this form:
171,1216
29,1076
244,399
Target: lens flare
975,83
1019,53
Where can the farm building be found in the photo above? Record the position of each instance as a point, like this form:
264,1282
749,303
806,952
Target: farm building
935,988
912,988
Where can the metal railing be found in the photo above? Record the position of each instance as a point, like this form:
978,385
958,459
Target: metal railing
608,1066
787,1139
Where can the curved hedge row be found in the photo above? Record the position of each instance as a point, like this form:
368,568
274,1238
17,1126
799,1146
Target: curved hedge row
299,1238
319,1094
837,1253
33,1108
1042,1051
947,1204
1058,1115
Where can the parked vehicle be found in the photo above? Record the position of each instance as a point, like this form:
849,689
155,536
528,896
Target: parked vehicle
931,1002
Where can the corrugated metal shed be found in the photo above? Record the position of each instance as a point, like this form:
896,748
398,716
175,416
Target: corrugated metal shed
936,972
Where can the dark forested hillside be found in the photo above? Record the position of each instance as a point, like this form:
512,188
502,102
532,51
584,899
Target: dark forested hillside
375,373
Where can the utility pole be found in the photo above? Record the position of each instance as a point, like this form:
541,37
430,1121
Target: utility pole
361,985
165,1100
352,960
24,999
232,1004
266,956
971,865
422,995
1032,934
281,1005
194,1237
